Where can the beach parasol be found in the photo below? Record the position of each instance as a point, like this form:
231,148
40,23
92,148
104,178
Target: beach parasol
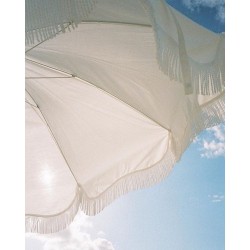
116,90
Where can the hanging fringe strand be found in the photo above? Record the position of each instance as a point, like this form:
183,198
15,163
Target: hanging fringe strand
45,19
206,78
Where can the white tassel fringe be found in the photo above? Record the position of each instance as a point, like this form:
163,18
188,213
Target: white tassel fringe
91,206
46,18
206,79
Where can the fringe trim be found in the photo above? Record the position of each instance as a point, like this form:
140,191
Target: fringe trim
208,115
209,78
53,223
201,118
206,78
92,206
46,18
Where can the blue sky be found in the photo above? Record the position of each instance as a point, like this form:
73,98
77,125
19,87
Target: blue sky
184,212
208,13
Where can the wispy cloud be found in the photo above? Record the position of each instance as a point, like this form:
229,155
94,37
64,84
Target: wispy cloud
77,236
216,198
84,242
218,5
213,149
218,131
212,142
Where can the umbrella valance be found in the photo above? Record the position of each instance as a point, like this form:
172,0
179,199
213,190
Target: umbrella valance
112,103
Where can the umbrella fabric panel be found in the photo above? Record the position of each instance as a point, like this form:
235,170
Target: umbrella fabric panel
118,11
109,147
118,64
114,58
46,170
101,138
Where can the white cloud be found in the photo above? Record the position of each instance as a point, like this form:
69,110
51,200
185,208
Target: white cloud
212,143
220,15
218,132
83,241
196,139
103,244
77,236
101,234
192,4
216,198
213,149
218,5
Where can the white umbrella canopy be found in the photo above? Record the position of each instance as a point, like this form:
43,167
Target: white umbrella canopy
115,92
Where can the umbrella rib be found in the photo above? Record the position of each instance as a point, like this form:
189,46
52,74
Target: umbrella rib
52,135
46,66
47,77
30,104
118,23
101,89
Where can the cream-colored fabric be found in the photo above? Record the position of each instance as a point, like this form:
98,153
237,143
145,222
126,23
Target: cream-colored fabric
46,170
117,100
187,52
